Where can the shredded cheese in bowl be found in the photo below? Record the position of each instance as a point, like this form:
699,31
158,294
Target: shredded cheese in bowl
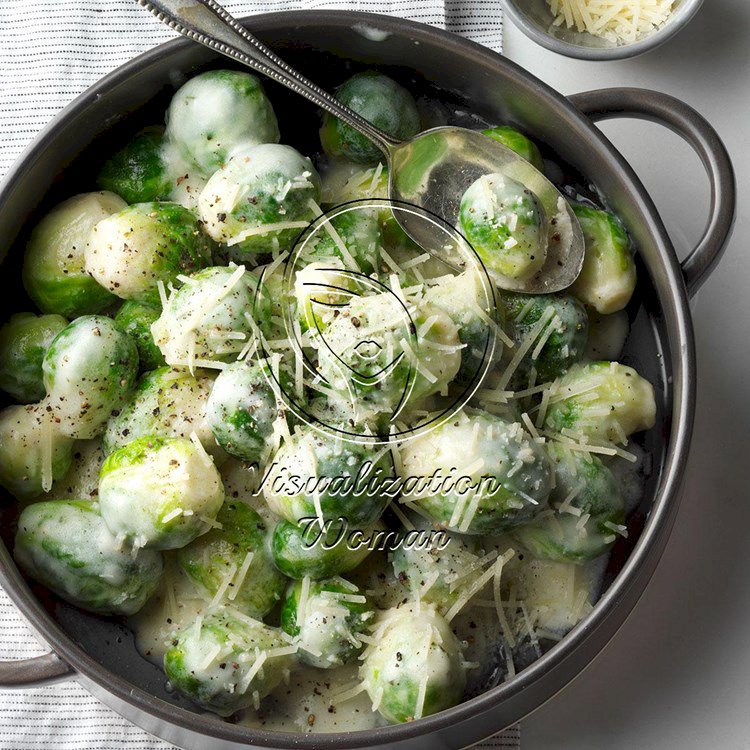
618,21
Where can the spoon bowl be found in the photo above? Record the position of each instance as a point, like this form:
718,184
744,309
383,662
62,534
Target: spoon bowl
434,169
430,171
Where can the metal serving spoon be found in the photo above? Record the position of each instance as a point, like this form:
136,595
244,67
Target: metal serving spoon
431,170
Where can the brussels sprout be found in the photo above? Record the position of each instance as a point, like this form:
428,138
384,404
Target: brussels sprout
136,320
316,476
518,142
344,181
216,113
89,371
33,453
607,335
607,279
477,318
235,558
375,576
306,549
242,410
212,317
560,594
415,667
131,251
166,403
321,289
326,618
261,200
242,482
272,276
586,512
23,341
232,680
358,230
499,477
160,493
506,225
602,401
188,185
383,354
138,172
630,474
437,570
553,346
66,546
383,102
81,481
54,267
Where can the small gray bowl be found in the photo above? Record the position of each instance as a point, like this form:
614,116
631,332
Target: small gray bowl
535,19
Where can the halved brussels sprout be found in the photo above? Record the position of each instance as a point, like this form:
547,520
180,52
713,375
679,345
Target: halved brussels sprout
414,667
33,453
24,339
261,200
602,401
556,344
166,403
382,354
477,318
506,225
215,662
212,317
236,560
379,99
242,410
518,142
608,277
306,549
136,320
586,513
326,618
89,370
54,267
499,476
160,493
131,251
216,113
65,545
317,476
138,172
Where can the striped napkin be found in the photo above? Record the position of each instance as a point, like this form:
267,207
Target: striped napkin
51,51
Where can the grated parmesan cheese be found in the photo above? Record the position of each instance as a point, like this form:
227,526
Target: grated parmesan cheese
617,21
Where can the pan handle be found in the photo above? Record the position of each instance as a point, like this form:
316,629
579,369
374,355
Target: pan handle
607,104
34,672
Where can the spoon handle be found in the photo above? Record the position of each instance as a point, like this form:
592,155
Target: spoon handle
205,21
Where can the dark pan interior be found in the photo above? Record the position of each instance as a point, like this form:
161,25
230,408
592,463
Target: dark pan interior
108,641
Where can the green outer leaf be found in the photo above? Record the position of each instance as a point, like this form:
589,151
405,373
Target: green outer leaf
24,340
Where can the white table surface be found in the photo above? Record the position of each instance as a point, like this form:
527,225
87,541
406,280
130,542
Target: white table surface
677,676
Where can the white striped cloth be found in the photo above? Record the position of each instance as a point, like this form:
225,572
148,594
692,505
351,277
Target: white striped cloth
51,51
